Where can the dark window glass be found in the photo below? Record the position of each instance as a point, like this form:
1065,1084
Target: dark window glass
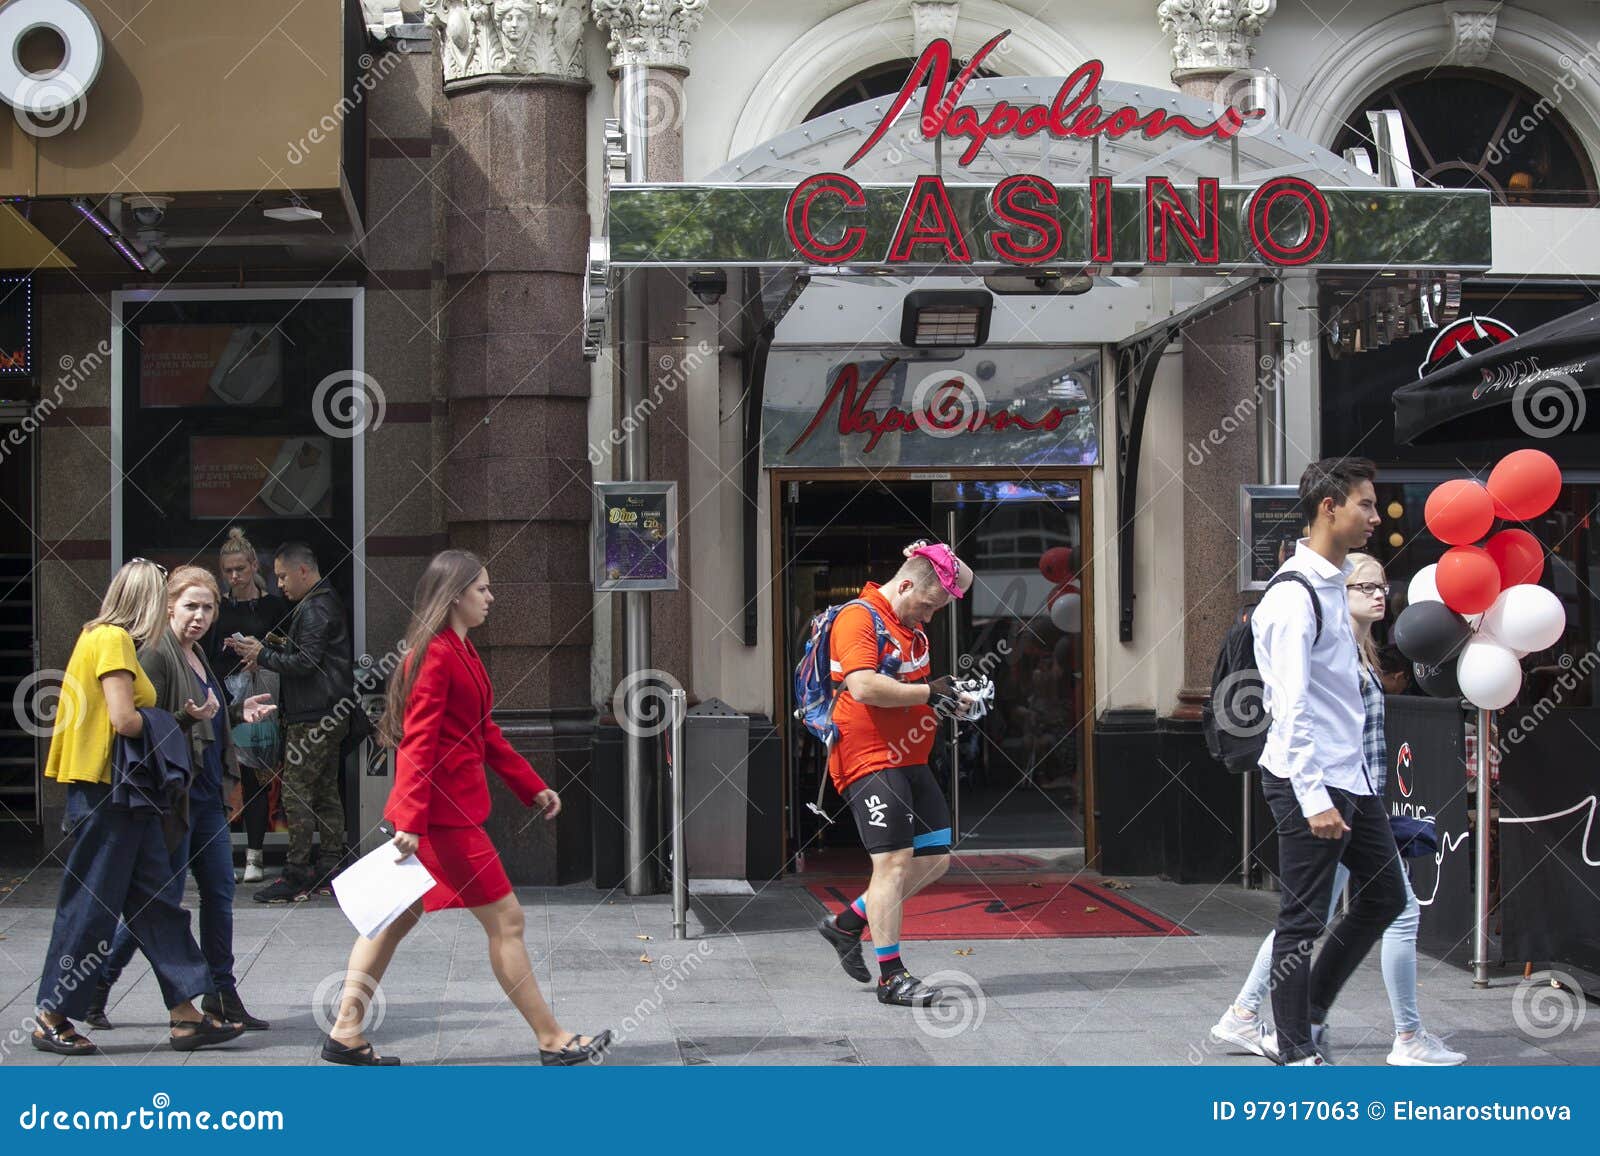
1480,130
880,80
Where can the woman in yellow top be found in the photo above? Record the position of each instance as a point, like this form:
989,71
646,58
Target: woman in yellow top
119,863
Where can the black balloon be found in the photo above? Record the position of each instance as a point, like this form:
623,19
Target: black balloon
1430,633
1439,681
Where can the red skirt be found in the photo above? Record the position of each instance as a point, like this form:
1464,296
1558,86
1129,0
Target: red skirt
465,867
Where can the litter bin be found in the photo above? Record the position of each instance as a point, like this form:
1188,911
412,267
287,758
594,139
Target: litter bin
716,755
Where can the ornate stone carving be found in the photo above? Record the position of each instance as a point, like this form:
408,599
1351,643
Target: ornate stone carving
1472,34
656,33
509,37
1213,35
933,20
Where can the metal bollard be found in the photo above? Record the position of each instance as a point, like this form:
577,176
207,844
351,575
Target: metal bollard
680,872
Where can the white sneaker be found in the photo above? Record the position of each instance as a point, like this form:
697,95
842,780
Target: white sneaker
1240,1032
254,867
1424,1050
1312,1061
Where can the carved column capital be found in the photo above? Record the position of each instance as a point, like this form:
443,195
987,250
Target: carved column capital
654,33
1213,35
933,20
480,38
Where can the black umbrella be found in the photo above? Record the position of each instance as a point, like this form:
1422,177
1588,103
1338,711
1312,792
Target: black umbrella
1537,383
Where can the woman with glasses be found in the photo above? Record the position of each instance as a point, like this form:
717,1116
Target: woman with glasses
120,862
1367,590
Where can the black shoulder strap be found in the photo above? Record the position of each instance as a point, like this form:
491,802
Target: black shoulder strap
1300,580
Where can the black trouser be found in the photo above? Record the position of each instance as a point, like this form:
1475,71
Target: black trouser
256,786
1303,991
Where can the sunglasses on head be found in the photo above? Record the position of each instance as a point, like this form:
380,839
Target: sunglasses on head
148,562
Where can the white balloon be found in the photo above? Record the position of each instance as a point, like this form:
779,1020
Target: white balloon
1424,586
1525,618
1489,674
1067,612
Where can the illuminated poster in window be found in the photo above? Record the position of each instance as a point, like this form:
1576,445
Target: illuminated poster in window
16,326
210,365
260,477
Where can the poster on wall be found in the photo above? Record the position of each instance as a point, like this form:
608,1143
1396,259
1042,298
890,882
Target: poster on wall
1270,524
1427,780
636,536
260,477
210,365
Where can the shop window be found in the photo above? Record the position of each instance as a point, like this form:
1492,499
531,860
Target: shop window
879,80
219,429
1473,129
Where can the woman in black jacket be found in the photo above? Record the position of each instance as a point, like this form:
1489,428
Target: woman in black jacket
249,610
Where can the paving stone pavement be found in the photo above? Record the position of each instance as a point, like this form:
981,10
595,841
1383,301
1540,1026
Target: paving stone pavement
755,985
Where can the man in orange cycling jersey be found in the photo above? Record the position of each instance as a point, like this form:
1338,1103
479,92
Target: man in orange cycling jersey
887,713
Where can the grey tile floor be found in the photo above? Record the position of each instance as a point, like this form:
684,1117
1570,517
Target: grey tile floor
754,985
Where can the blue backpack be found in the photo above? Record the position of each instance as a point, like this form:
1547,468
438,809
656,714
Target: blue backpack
813,677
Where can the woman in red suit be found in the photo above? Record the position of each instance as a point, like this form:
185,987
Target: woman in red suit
438,719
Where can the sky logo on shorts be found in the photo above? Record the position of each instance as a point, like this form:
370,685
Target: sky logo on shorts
877,806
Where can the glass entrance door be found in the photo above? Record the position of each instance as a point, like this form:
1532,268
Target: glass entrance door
1016,776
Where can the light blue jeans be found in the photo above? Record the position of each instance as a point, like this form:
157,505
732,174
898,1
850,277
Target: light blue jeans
1398,955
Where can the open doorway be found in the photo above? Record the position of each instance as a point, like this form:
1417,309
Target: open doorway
1019,777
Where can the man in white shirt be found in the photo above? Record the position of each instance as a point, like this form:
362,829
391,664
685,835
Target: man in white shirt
1317,784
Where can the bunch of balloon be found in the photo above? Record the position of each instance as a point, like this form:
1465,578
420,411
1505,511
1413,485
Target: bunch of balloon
1471,618
1066,601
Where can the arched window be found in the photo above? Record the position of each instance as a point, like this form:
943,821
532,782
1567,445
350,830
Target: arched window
880,80
1466,128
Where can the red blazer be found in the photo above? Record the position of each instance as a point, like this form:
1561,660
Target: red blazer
446,741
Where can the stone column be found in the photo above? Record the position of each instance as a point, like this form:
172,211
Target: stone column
1215,43
657,35
516,474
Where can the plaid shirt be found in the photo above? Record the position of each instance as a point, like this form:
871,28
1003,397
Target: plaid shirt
1372,744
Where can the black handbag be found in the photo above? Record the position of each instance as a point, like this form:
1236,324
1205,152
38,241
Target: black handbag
1415,837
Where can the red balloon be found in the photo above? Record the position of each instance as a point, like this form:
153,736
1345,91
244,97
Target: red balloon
1459,512
1056,563
1518,556
1525,484
1468,579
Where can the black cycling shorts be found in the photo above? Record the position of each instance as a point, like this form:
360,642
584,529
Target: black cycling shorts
900,807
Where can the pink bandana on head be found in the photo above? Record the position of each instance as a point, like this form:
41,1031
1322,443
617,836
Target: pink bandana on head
944,561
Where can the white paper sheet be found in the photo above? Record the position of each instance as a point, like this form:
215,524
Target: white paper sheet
375,889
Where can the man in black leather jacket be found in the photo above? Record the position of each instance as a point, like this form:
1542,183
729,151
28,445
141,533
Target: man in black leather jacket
316,700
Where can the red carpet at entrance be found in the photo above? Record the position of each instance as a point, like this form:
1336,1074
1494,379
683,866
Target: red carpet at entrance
1054,907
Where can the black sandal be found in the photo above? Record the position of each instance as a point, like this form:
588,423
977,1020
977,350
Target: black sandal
572,1052
63,1039
203,1033
363,1057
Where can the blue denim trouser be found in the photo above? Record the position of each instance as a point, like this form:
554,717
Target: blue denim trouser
207,850
118,868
